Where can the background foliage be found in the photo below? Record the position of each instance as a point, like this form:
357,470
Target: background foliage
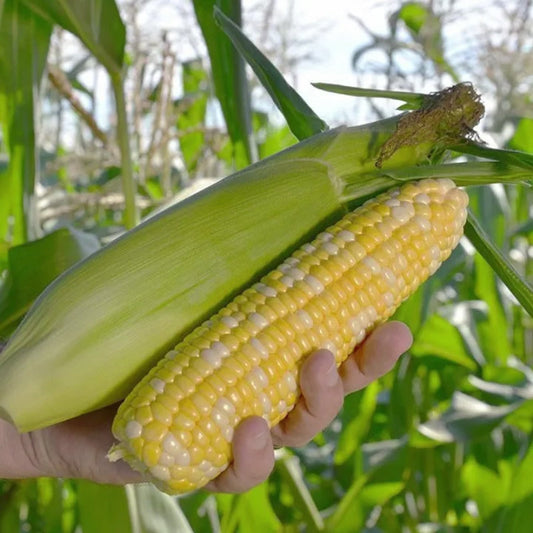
121,125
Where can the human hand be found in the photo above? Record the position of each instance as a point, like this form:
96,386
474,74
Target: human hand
77,448
323,389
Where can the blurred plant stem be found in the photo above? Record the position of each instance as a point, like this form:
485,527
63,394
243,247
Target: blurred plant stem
288,466
131,215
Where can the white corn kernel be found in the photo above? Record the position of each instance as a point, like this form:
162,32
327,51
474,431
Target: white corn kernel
305,318
259,320
314,283
346,235
158,385
133,429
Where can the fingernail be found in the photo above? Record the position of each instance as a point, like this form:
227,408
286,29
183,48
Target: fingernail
259,441
331,376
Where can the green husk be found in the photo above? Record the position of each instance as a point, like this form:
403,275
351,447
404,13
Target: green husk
98,328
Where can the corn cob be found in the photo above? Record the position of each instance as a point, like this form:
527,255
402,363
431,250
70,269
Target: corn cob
126,305
177,424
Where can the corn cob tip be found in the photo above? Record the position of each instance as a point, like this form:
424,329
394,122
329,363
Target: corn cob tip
177,425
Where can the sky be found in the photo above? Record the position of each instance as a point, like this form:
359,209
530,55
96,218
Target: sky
332,49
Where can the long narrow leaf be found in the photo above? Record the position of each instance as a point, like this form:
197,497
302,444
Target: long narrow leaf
290,468
152,511
24,40
54,253
96,23
103,508
414,100
229,78
503,268
301,119
511,157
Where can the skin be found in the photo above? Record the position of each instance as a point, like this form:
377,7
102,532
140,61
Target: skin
77,448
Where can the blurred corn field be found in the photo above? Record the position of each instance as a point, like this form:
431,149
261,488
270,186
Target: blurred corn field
106,121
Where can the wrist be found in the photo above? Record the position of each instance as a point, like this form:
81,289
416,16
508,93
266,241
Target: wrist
18,458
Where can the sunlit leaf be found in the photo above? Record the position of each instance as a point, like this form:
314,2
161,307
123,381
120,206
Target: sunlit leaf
251,511
379,493
153,511
356,417
439,338
275,140
518,512
415,15
510,393
299,116
382,453
523,136
192,113
289,466
34,265
103,508
96,23
414,100
467,418
229,77
509,157
426,28
480,483
24,40
501,265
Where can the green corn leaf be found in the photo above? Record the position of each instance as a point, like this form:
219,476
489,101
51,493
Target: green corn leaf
523,136
355,427
229,78
152,511
103,508
96,23
467,419
253,510
480,482
501,265
525,228
192,113
463,174
299,116
510,157
439,338
518,510
289,467
54,254
24,40
414,100
425,27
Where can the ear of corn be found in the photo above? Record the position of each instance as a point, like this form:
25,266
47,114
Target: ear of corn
122,308
126,305
177,424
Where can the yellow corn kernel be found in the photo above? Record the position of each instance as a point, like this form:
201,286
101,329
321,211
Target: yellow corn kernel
329,294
